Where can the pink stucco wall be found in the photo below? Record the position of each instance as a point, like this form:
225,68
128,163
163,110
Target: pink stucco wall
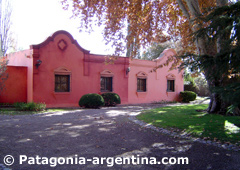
84,68
15,87
60,53
156,81
24,58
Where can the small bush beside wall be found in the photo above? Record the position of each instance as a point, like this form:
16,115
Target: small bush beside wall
91,100
111,99
30,106
187,96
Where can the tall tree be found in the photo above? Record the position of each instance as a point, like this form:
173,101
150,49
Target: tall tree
5,24
148,21
222,68
5,38
154,51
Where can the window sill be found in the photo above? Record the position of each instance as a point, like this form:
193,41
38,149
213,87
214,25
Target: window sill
106,91
141,94
170,91
62,93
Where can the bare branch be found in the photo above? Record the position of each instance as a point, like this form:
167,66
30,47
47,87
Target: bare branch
221,2
183,8
193,7
5,24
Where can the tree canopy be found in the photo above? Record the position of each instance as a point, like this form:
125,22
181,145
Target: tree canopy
139,23
154,51
5,39
5,24
222,69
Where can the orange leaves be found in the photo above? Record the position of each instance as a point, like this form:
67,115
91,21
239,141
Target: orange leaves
3,74
172,61
131,21
137,23
3,65
203,4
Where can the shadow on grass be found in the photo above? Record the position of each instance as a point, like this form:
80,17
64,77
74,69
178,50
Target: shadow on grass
185,119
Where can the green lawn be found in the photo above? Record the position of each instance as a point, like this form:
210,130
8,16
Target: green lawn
185,118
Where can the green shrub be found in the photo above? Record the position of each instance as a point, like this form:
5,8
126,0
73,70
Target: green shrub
40,106
111,99
30,106
91,100
19,106
5,105
187,96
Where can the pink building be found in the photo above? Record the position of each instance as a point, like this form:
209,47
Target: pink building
59,71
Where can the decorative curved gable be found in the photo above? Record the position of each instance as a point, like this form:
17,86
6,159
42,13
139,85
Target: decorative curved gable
171,76
107,73
142,74
61,44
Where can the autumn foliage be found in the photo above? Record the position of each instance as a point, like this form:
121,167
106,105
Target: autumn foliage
139,22
3,74
130,25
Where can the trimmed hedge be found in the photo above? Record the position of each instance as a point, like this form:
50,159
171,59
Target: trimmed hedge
111,99
91,100
30,106
187,96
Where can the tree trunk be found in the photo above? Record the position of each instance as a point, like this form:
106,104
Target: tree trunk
191,10
217,105
214,105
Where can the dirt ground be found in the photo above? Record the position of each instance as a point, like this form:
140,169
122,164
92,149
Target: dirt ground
105,132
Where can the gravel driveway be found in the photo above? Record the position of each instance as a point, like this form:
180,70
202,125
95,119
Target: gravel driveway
105,132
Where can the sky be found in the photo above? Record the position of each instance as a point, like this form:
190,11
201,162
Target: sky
33,21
